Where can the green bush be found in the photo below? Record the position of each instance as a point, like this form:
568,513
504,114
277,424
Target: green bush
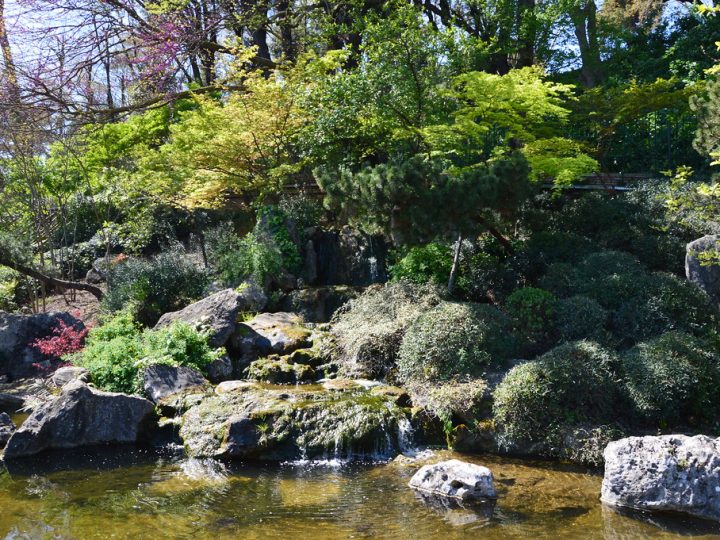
674,380
369,329
235,259
454,340
117,352
573,384
548,247
580,317
604,264
559,279
533,312
150,288
662,303
484,276
428,263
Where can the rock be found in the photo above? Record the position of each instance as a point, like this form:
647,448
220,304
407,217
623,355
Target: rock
290,423
399,396
98,271
308,357
340,385
455,479
161,381
319,304
11,402
253,297
220,370
669,473
234,386
66,374
82,416
267,333
218,313
18,332
277,370
707,277
7,428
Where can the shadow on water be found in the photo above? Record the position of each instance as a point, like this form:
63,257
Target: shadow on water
676,524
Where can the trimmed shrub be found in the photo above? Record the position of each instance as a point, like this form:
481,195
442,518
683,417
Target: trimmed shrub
559,279
454,340
674,380
604,264
117,352
428,263
533,312
580,317
150,288
369,329
662,303
573,384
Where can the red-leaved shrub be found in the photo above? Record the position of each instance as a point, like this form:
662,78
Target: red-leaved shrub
66,339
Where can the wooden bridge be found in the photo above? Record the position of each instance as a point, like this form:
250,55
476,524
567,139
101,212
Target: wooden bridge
605,182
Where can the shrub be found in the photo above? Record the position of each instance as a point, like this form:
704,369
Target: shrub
533,312
559,279
454,339
150,288
66,339
236,259
548,247
674,379
573,384
604,264
485,276
368,330
662,303
429,263
580,317
117,352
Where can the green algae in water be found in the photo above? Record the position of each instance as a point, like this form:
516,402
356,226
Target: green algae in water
137,495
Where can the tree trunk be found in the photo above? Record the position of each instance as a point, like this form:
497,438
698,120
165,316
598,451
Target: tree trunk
6,260
455,265
584,20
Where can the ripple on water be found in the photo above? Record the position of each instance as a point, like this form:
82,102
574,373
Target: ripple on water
138,497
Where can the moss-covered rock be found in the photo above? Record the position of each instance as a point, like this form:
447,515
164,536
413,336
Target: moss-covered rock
279,370
281,423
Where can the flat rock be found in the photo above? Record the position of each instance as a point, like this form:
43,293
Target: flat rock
82,416
227,387
161,381
216,313
67,374
455,479
7,428
669,473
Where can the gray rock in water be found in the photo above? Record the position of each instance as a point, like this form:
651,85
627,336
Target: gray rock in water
670,473
18,332
707,277
7,428
161,381
67,374
82,416
220,370
455,479
218,313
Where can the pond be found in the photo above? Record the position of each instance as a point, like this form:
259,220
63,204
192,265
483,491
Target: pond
135,494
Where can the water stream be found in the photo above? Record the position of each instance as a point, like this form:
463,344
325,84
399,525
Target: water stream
136,494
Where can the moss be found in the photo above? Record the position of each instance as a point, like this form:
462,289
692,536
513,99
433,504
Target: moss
277,370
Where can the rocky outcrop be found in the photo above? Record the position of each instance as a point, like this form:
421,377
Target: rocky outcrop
269,333
246,421
64,375
161,382
455,479
670,473
7,428
82,416
344,257
18,332
216,313
319,304
705,276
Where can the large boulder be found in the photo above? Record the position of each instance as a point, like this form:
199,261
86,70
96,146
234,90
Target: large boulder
269,333
18,332
161,381
455,479
82,416
669,473
7,428
705,276
247,421
218,313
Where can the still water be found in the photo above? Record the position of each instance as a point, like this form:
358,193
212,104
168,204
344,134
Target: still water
135,494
